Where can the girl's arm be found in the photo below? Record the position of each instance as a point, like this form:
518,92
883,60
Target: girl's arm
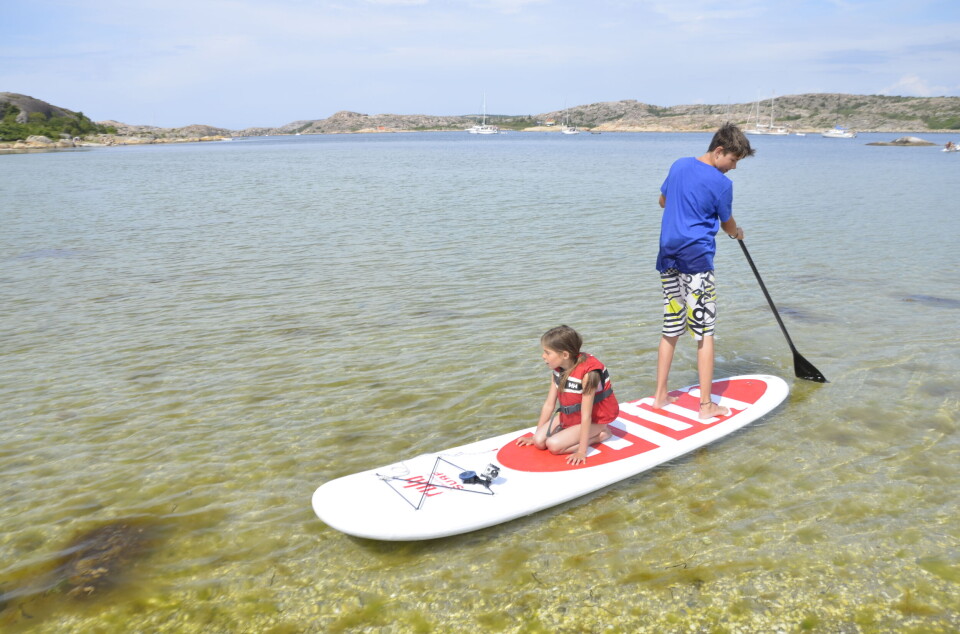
546,414
586,418
549,405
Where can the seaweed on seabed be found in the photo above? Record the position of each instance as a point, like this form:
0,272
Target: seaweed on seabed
95,562
101,558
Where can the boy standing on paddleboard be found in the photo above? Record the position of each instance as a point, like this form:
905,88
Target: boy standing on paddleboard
697,201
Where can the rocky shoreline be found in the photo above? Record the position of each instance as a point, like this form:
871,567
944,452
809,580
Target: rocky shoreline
42,143
807,113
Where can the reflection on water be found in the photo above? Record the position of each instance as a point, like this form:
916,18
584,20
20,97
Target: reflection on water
195,337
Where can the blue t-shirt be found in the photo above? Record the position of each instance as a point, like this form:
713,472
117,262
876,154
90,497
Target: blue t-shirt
699,197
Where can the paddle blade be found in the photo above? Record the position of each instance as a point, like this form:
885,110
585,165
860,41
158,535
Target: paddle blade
805,370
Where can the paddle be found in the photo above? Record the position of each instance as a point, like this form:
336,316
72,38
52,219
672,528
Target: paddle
803,368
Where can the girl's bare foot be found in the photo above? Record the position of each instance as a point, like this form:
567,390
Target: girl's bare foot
712,410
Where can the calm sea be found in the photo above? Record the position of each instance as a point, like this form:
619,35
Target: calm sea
194,337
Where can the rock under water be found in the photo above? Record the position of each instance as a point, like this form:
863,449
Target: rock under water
905,141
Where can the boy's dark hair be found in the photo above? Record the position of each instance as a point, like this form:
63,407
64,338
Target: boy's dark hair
732,140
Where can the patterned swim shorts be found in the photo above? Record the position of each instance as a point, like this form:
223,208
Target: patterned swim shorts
689,302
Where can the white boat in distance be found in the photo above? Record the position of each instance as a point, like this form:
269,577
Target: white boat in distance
951,147
482,127
838,132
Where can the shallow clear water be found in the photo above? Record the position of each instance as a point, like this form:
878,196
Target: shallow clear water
194,337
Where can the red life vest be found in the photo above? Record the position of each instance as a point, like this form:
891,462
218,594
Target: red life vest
605,406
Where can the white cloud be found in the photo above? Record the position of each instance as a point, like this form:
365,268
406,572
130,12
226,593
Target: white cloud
702,15
507,6
914,86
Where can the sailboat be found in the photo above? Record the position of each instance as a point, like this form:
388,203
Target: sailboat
482,127
767,128
567,128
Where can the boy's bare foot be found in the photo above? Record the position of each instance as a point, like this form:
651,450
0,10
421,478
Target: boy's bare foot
660,403
712,410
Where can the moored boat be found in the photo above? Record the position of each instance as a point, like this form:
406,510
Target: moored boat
482,127
838,132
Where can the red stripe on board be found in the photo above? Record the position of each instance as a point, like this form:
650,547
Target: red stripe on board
696,426
529,458
744,390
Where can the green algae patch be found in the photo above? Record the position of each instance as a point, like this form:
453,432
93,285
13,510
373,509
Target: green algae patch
940,568
809,623
688,574
494,621
370,613
809,535
679,574
912,606
511,562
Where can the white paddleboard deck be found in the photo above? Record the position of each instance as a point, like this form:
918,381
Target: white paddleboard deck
424,498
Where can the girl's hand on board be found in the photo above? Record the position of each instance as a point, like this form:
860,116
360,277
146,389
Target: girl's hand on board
523,441
577,458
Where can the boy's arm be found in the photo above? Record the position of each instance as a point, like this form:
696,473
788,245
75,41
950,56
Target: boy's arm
731,228
663,201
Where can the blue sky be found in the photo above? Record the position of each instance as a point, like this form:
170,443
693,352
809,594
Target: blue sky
244,63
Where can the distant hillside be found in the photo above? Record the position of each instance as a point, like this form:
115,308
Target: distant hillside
149,131
22,116
355,122
810,112
28,105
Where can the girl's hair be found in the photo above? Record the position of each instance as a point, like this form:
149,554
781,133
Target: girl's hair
566,339
732,140
562,339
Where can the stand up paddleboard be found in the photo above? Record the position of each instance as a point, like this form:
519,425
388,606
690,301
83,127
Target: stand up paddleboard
493,481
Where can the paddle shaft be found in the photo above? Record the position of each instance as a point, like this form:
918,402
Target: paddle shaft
767,295
802,368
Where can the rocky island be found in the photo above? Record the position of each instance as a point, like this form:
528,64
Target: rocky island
905,141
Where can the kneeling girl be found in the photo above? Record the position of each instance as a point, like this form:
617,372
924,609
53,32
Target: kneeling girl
582,393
